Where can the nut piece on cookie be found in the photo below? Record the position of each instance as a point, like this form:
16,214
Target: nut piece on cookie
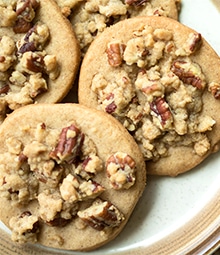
69,145
120,169
101,215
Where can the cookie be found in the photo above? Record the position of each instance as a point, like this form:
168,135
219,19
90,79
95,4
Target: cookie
90,18
70,176
159,79
35,65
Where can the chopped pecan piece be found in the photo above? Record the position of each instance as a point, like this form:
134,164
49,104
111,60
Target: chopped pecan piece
195,42
111,108
214,88
90,189
188,73
69,145
153,88
120,169
25,10
73,189
115,52
21,26
28,46
4,89
101,215
34,39
90,166
160,107
35,62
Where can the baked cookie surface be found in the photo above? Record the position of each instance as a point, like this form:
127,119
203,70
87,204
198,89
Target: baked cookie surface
90,18
159,79
39,54
70,176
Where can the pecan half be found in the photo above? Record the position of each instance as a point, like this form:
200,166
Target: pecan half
188,73
101,214
115,52
160,107
120,168
69,145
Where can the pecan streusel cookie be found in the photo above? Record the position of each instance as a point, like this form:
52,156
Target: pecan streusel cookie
90,18
39,54
160,79
70,176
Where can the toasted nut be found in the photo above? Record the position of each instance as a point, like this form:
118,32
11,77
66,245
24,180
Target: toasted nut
21,26
33,62
120,169
69,145
195,42
4,89
34,39
111,108
161,109
25,10
101,215
90,189
188,73
115,52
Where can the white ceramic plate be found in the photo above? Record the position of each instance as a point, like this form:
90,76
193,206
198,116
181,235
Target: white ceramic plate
178,215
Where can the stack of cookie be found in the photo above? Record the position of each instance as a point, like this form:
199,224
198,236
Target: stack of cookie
73,168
